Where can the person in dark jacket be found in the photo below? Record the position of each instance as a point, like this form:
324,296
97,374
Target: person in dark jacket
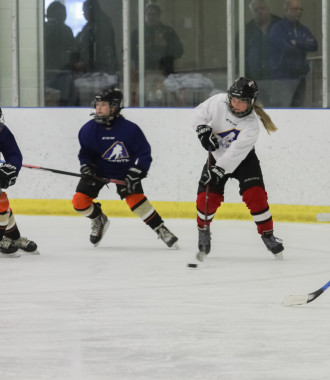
290,43
96,48
257,46
59,49
162,44
257,32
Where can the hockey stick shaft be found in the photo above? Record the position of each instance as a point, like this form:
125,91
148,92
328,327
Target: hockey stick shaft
201,255
106,180
207,191
295,300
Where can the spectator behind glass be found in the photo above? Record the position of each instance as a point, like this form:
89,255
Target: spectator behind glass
59,46
162,46
257,35
290,43
96,42
96,64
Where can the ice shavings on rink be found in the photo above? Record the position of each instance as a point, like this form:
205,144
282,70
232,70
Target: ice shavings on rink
131,309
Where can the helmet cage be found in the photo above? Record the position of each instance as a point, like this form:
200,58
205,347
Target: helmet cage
113,97
245,90
248,110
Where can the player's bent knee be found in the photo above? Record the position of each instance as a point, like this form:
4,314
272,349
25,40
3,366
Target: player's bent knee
4,202
81,201
133,200
214,201
255,198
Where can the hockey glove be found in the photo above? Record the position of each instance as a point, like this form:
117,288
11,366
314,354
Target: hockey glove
88,172
8,175
215,174
207,138
133,180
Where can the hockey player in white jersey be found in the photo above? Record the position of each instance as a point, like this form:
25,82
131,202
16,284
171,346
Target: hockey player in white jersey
228,126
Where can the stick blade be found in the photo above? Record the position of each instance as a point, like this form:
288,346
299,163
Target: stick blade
323,217
295,300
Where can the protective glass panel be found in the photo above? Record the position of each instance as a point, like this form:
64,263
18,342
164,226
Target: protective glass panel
82,45
182,59
282,51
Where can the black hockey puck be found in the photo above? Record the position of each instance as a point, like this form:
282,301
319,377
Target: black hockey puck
192,265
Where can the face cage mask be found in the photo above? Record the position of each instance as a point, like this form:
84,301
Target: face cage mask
249,109
107,120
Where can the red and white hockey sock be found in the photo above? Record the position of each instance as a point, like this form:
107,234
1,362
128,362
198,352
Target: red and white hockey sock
214,202
256,200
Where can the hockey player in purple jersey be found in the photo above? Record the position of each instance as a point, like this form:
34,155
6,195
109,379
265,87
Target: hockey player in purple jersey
113,147
10,238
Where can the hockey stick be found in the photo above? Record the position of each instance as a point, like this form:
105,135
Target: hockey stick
106,180
306,298
207,191
201,254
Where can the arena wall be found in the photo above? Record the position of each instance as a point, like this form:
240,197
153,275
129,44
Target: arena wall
295,162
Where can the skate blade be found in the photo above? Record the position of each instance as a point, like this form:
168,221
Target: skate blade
33,253
175,246
201,256
105,228
278,256
10,255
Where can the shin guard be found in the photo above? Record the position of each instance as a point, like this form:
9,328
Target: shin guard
12,230
83,204
214,202
256,201
141,207
4,213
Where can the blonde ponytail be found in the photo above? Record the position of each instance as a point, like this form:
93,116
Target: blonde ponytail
265,118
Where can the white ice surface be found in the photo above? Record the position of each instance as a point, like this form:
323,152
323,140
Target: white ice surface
131,309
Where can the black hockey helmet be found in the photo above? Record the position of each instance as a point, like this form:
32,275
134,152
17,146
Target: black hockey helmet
244,89
114,97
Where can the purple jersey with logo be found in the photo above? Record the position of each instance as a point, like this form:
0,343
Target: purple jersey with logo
9,148
113,151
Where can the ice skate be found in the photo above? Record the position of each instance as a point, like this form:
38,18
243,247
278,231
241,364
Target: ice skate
24,244
204,243
167,236
8,248
273,244
99,227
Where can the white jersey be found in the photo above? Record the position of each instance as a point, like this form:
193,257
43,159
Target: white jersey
236,136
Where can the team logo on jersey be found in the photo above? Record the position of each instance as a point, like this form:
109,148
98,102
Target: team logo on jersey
116,153
228,137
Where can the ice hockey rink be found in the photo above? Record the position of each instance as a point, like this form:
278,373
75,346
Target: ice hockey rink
131,309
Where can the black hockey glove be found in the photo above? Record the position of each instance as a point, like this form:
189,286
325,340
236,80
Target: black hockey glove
215,174
133,180
207,138
88,172
8,175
